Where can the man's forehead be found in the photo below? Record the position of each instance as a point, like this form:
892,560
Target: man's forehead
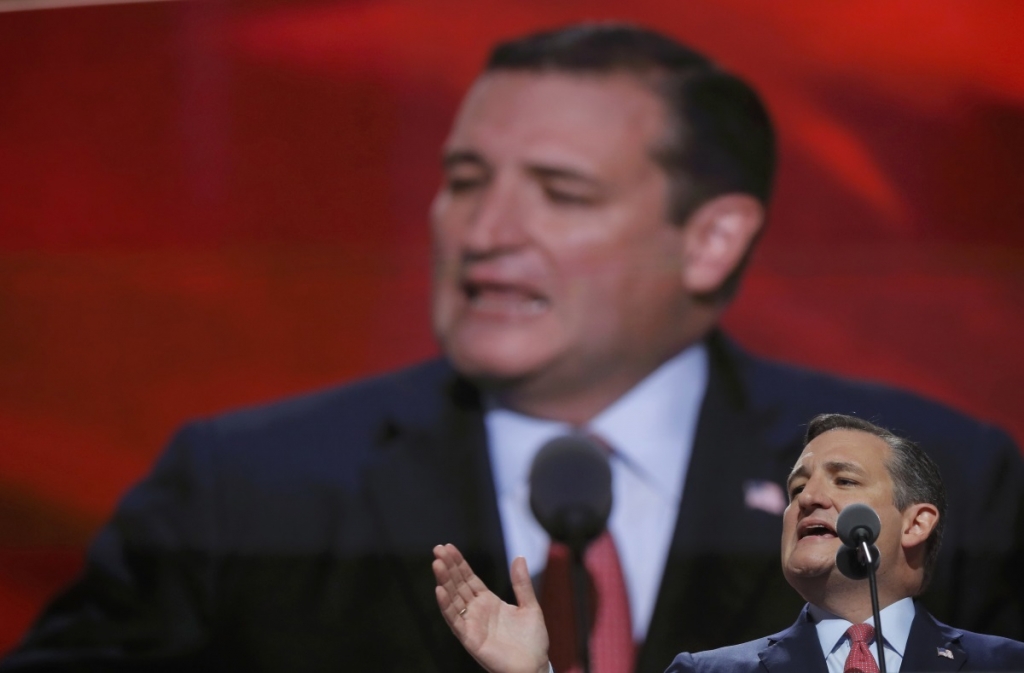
804,457
524,98
843,446
563,79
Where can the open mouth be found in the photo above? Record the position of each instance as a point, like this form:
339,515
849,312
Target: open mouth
819,530
504,299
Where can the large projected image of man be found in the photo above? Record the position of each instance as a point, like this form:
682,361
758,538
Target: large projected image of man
603,188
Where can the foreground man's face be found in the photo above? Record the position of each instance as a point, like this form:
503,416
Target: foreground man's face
836,469
554,263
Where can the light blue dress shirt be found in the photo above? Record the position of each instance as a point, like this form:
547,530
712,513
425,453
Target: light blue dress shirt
651,430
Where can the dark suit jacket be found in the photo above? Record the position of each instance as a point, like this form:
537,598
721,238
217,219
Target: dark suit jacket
298,536
797,649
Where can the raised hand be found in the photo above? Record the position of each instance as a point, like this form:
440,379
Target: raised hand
503,638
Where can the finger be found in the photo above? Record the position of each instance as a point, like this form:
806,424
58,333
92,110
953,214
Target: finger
449,611
522,585
447,554
464,573
464,581
448,600
448,579
443,581
442,565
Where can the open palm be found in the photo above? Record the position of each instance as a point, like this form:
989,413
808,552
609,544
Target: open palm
503,638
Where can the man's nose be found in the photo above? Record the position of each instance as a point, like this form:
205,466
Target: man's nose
498,222
814,496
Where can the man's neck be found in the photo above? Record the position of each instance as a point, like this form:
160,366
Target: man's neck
852,600
578,399
575,393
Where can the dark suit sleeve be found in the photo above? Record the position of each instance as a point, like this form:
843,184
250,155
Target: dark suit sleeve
683,663
989,653
984,590
144,600
1007,499
725,660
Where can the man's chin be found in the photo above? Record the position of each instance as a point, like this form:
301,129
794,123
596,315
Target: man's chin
492,373
808,569
518,385
495,363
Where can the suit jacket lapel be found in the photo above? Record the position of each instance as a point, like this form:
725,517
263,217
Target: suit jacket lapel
930,645
430,483
722,575
795,649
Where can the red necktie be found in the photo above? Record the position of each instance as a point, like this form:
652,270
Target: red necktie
860,660
611,637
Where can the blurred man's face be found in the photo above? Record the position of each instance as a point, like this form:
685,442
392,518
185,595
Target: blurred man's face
555,267
836,469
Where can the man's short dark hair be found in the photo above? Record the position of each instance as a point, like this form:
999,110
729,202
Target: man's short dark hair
721,139
915,476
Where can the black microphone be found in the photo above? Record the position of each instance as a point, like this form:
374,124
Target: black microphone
851,561
858,523
571,496
571,489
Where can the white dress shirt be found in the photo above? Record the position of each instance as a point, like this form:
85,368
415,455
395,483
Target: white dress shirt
651,430
835,645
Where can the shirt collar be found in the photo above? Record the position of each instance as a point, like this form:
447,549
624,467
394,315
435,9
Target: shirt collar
896,621
652,426
646,427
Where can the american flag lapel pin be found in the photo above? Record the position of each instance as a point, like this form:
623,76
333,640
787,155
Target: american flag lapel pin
943,652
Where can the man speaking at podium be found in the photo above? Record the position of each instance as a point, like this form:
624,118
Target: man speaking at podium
846,460
603,188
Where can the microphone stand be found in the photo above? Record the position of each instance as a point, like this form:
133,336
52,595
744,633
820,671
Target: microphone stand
581,603
869,562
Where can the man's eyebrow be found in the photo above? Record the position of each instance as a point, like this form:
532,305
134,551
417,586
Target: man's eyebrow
453,158
560,173
798,471
834,466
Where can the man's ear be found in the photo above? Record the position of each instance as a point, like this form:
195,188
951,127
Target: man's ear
919,521
716,238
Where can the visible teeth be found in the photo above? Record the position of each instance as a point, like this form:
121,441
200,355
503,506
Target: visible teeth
508,302
817,530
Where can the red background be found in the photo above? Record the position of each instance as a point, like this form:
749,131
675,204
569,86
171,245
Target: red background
214,203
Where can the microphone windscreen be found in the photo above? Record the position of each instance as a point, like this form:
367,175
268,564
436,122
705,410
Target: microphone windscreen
850,561
571,489
858,523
